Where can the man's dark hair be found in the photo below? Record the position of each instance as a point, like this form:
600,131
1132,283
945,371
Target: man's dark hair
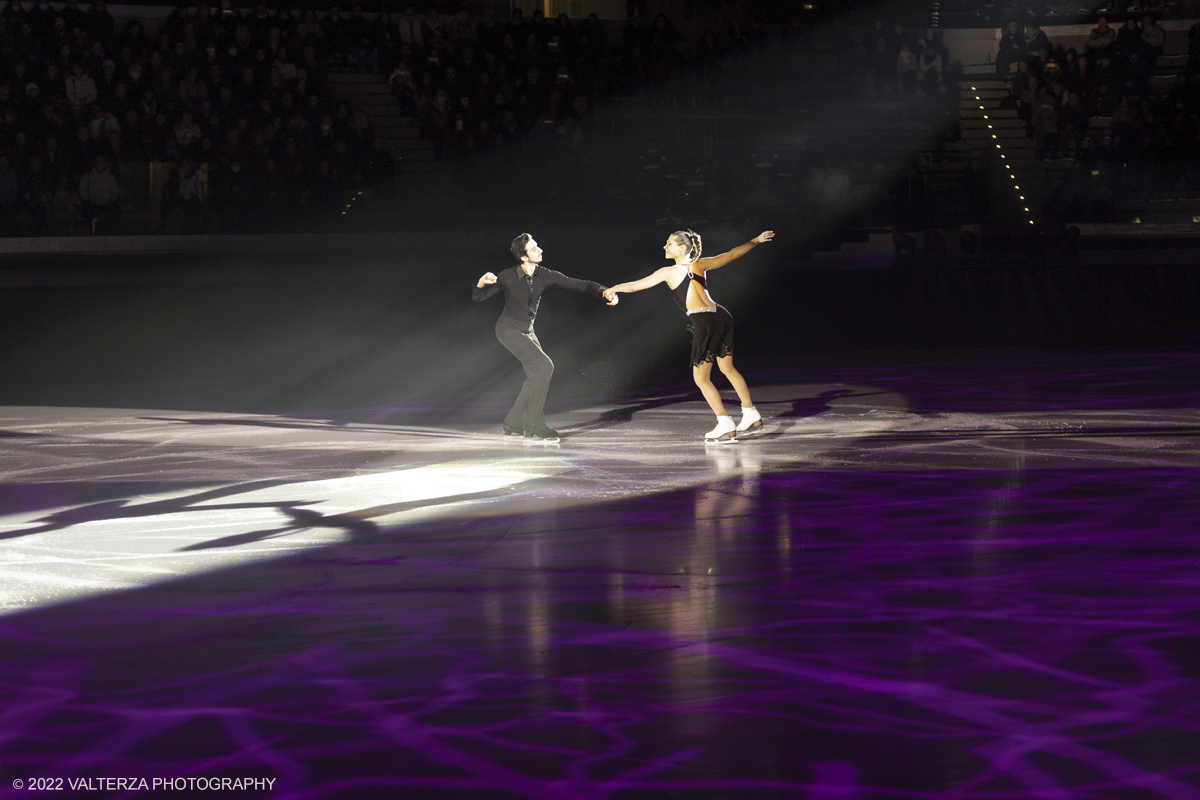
519,245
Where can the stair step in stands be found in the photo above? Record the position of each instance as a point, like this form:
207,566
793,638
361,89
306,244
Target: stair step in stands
370,94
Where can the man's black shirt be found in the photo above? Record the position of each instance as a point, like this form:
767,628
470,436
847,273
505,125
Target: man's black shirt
523,293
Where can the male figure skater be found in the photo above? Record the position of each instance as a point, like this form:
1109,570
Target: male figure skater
523,286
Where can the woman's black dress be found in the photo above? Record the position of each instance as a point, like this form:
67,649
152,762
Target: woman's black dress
712,331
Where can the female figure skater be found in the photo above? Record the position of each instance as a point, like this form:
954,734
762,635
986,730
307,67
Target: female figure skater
712,325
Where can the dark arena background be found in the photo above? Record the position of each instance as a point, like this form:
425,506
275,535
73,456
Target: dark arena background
261,533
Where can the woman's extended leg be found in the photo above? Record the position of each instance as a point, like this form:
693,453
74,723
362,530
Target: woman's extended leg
750,416
735,378
702,374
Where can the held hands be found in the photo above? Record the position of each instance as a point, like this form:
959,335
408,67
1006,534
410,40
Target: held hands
765,236
487,278
611,297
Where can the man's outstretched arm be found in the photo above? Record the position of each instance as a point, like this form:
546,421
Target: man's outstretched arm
577,284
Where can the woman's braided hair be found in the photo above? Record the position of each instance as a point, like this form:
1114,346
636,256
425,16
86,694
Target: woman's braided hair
692,239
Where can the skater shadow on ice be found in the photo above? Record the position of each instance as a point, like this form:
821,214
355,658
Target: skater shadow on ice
126,543
315,425
840,400
624,415
124,509
356,524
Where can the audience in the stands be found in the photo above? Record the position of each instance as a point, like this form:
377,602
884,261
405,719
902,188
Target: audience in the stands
1057,90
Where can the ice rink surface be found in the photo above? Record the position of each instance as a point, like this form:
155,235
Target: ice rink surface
950,579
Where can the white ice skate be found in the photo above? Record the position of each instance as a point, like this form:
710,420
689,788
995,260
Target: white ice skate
750,419
726,431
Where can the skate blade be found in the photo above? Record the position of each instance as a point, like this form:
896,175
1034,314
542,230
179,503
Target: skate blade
726,439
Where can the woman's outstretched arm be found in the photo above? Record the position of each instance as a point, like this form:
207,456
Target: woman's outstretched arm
705,264
653,279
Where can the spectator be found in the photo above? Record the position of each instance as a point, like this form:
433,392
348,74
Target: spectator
36,190
81,152
1125,124
51,157
175,25
80,88
168,202
191,195
72,16
192,91
1193,62
884,64
26,108
187,132
134,41
1036,39
1074,70
411,33
1154,38
9,194
120,104
285,65
401,83
906,69
1135,76
1018,82
1027,101
100,195
108,79
433,31
593,36
1103,73
64,208
932,67
112,148
1129,39
1101,40
134,79
99,22
1045,123
102,123
1075,124
1103,101
1012,49
131,143
1052,76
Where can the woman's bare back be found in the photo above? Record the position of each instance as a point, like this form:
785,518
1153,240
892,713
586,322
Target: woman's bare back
697,296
